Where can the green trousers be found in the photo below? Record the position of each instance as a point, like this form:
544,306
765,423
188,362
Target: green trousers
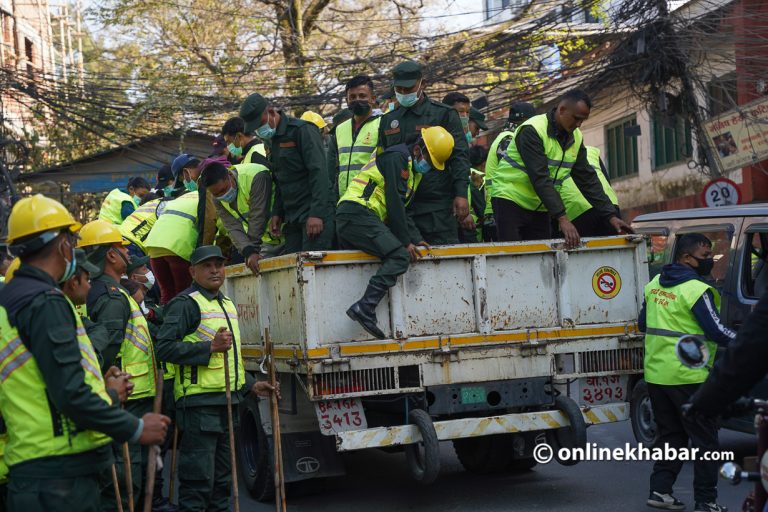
364,231
205,471
79,494
296,238
138,455
437,227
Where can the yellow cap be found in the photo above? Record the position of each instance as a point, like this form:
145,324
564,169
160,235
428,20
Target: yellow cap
36,215
439,145
12,268
100,232
314,118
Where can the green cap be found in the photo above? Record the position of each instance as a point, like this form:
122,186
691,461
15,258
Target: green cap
478,117
407,73
136,263
251,110
82,262
204,253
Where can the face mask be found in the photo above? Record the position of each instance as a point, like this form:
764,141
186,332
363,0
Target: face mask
136,200
407,100
464,121
229,196
422,166
71,266
469,137
167,191
150,280
190,185
705,265
234,150
265,131
390,107
360,108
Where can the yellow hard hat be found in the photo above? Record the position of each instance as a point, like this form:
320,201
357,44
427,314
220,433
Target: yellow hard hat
314,118
100,232
439,145
12,268
36,215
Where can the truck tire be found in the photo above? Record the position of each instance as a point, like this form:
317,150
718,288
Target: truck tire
486,454
255,454
641,415
574,436
424,467
521,465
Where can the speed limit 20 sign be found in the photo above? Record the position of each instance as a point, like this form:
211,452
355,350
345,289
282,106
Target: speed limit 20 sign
721,192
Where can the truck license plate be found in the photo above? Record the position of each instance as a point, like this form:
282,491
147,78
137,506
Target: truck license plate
601,390
341,415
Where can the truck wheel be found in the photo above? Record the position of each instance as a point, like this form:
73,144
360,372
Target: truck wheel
641,415
574,436
423,458
521,465
255,453
484,455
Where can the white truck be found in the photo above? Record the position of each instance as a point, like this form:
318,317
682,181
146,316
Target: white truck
492,346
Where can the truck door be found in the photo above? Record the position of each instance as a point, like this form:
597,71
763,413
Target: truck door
752,280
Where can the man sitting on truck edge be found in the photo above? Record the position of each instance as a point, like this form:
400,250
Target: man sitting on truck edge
680,302
371,214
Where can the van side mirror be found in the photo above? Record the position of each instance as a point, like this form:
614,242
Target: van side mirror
692,352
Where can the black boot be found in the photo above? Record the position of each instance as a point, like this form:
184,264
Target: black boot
364,310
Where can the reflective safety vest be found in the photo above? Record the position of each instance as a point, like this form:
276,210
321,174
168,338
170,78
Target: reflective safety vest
668,317
256,148
112,206
136,227
367,188
35,428
81,310
355,153
574,201
193,380
3,465
245,175
498,147
137,354
176,227
510,180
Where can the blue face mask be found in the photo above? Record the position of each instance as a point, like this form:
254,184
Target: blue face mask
167,191
407,100
234,150
421,166
229,196
265,131
469,137
391,107
71,266
136,200
190,185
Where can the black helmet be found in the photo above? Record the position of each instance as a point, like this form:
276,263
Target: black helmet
521,111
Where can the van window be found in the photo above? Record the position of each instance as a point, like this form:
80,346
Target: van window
656,249
754,273
722,239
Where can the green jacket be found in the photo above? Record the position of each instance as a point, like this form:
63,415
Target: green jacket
182,318
297,159
437,189
47,325
108,307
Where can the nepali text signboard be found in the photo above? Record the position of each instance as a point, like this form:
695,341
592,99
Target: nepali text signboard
739,138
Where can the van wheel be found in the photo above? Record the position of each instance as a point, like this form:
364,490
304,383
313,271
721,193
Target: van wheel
641,415
255,454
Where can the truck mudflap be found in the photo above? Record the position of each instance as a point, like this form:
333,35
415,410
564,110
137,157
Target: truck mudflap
380,437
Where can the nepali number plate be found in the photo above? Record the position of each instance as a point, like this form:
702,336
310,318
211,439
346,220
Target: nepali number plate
601,390
340,415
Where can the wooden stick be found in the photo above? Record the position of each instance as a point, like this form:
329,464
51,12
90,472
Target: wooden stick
116,485
230,424
128,476
280,504
171,484
154,450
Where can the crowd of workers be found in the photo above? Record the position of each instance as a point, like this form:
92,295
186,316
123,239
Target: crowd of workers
96,320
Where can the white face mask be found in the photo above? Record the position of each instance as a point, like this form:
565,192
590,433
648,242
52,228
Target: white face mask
150,280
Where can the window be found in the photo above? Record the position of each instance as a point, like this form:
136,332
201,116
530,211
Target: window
722,94
754,282
621,148
671,139
656,250
722,238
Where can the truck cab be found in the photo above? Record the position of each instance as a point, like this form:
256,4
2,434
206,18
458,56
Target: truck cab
739,237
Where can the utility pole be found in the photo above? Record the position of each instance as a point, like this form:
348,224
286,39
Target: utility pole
80,60
51,45
69,34
63,46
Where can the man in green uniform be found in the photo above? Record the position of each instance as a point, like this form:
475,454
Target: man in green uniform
303,209
130,344
442,196
199,330
476,124
371,215
59,415
355,140
679,302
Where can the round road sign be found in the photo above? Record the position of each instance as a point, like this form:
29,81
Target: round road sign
721,192
606,282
